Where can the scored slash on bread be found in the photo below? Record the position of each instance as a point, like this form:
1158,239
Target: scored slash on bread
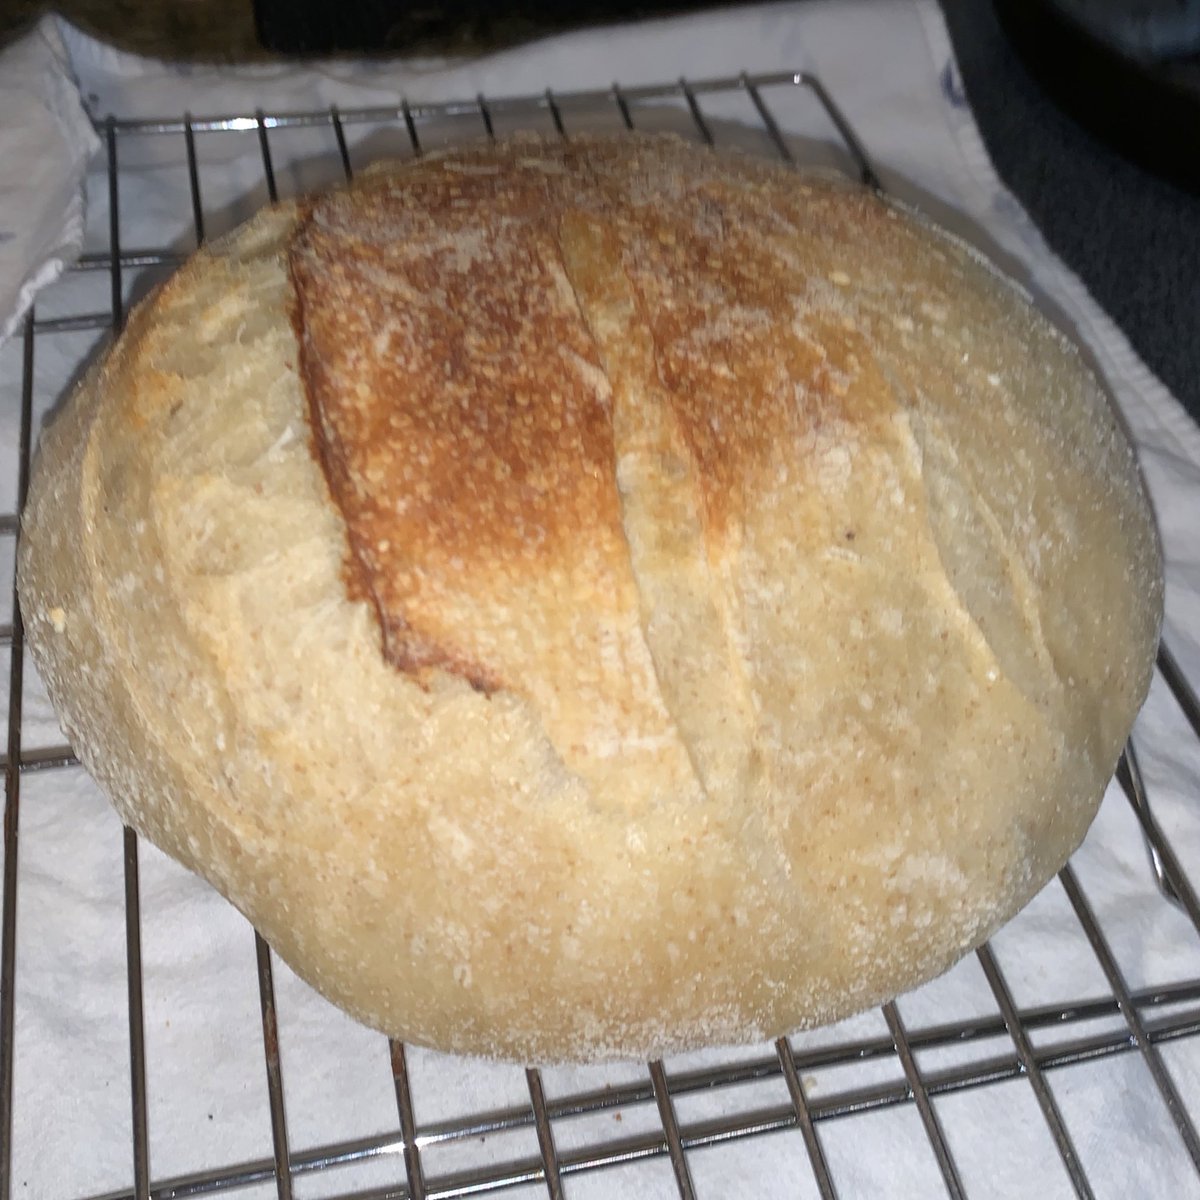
596,598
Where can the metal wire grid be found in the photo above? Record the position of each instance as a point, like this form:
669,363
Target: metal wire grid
1151,1016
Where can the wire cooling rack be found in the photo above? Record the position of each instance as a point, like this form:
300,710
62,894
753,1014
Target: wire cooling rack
800,1113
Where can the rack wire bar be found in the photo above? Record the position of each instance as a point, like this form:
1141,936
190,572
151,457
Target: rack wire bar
270,1030
133,923
768,119
537,1100
117,315
79,323
413,1171
670,1124
265,148
137,1026
555,113
812,1143
12,792
411,126
1085,1030
423,112
262,952
929,1118
102,261
694,108
622,104
339,133
194,179
1059,1054
52,758
486,114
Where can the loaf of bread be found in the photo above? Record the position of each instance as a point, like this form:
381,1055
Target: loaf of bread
596,598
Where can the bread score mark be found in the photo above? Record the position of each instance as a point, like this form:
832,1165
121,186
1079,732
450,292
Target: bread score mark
685,619
404,647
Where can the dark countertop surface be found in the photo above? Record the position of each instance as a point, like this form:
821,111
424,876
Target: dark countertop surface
1132,237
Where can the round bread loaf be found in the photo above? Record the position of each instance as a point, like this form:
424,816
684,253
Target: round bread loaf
596,598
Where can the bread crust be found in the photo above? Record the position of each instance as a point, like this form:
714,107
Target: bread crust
599,598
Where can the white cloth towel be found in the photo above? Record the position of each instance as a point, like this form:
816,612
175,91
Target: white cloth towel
46,141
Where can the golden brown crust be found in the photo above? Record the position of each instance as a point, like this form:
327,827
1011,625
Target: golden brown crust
404,343
729,531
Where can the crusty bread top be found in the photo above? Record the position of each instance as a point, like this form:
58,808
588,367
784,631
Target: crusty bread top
719,603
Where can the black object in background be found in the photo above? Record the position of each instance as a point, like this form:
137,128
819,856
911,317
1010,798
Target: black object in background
1128,70
371,26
